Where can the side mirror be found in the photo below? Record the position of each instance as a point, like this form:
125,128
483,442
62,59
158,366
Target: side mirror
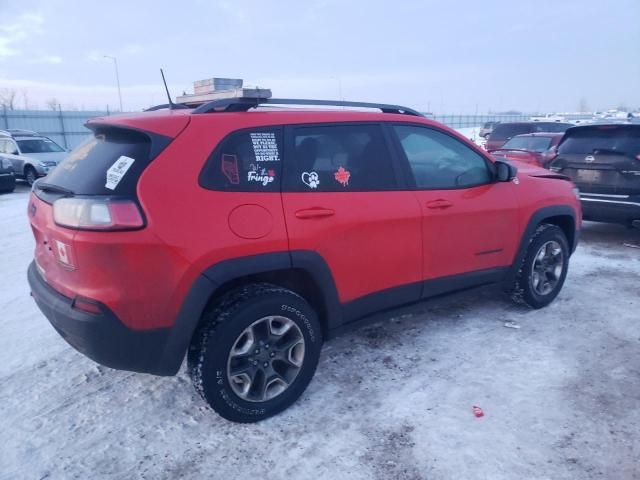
505,171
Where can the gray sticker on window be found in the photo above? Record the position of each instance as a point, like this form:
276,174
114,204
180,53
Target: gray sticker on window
117,171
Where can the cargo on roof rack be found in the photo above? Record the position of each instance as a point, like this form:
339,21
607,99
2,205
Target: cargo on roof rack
207,99
244,104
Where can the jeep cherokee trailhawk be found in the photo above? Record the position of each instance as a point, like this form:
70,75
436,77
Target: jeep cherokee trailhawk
241,236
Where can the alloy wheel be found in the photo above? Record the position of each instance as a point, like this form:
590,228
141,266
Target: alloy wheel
547,268
266,358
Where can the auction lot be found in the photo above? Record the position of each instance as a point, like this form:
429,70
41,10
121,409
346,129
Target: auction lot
392,400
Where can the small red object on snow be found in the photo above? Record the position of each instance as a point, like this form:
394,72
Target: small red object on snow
477,411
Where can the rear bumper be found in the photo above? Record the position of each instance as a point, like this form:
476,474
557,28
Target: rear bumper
102,337
610,208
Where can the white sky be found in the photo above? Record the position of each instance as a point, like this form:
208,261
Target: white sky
450,57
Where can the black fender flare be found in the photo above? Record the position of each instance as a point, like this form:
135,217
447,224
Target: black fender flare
215,276
538,217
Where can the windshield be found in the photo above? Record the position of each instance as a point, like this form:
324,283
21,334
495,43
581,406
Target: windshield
39,145
621,140
532,144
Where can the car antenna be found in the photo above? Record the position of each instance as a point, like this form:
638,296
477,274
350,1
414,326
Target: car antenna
171,104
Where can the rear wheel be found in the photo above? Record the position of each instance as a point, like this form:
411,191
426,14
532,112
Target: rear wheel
255,353
30,174
544,268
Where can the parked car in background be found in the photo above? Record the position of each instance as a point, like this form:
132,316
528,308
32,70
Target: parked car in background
534,148
504,132
32,155
7,177
283,259
487,128
604,162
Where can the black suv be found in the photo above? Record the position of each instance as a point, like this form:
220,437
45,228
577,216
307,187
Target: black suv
604,162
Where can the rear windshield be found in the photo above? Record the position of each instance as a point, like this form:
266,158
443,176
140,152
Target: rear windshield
107,163
551,127
508,130
38,145
532,144
621,140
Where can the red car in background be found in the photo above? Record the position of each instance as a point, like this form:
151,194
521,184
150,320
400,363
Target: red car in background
534,148
503,132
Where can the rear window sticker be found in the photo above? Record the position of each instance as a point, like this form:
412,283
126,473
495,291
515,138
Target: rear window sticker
117,171
265,146
310,179
342,176
230,168
261,175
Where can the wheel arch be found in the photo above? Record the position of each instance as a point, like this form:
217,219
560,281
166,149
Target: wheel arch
563,216
304,272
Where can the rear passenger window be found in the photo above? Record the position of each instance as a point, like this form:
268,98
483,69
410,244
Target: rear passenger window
340,158
246,161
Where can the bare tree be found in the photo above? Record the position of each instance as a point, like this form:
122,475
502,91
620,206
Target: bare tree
25,98
8,98
52,104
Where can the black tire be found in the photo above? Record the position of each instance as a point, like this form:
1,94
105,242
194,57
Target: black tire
30,174
222,327
526,288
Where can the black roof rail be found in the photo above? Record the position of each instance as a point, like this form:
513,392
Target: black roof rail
170,106
244,104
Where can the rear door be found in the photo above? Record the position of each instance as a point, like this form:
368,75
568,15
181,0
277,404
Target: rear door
470,223
601,158
343,198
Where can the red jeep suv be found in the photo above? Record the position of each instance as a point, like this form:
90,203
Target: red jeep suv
243,236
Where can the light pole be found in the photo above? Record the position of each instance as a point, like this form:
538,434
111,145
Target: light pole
115,63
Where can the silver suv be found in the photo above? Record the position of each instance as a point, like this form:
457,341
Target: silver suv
31,155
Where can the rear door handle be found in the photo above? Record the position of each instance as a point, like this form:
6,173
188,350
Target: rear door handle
314,213
440,203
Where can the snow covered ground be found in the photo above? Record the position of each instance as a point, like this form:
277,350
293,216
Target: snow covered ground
473,134
390,401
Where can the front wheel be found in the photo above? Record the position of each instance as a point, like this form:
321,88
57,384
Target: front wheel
544,268
255,352
30,175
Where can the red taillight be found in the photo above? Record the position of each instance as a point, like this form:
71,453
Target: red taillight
97,214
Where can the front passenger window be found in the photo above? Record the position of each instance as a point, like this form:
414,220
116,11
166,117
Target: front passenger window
440,162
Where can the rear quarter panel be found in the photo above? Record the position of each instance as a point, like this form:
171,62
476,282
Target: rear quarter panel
193,222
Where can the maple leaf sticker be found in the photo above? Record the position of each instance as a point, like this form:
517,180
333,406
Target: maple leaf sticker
342,176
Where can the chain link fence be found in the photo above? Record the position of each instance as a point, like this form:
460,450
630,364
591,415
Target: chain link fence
67,127
63,127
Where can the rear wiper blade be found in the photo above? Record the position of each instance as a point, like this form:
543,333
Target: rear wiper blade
54,188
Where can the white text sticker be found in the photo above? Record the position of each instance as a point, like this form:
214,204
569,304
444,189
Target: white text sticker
117,171
265,146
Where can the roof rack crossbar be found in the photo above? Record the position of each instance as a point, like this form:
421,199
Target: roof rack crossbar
244,104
